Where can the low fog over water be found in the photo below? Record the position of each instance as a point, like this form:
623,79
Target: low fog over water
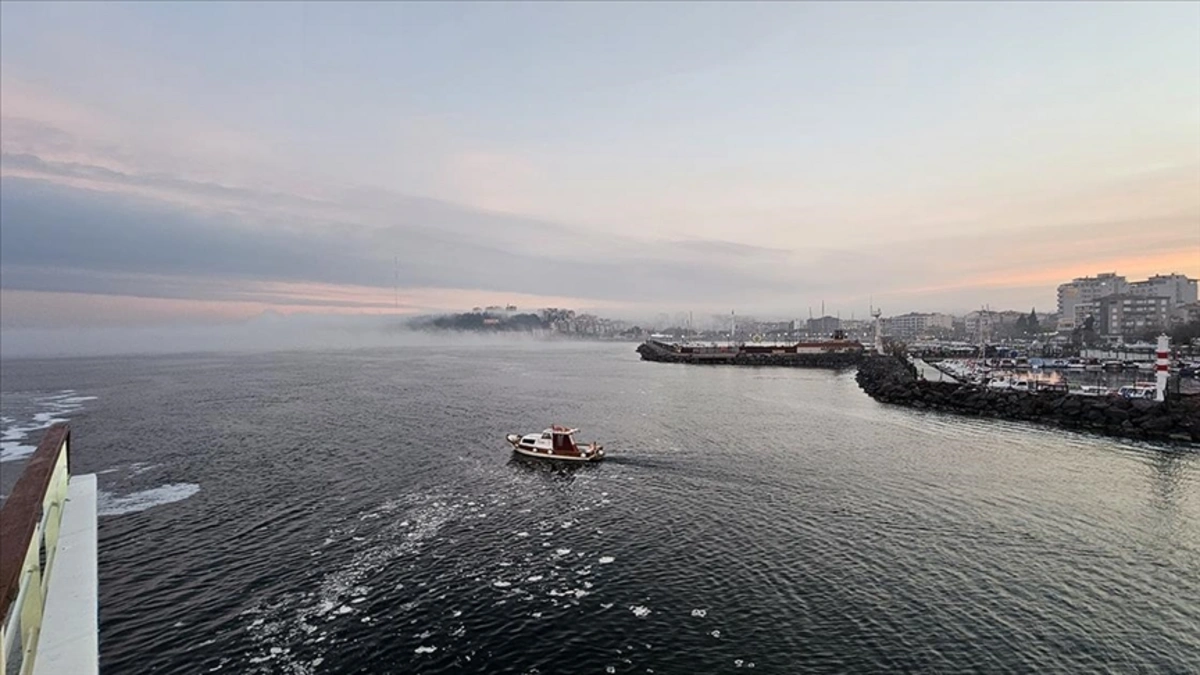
265,333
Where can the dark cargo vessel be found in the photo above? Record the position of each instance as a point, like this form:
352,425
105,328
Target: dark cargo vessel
836,352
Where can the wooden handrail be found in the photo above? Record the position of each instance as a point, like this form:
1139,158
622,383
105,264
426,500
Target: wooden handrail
22,513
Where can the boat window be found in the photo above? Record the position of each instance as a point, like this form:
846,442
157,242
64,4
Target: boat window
545,435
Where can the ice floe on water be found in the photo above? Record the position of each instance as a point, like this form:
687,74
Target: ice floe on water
304,616
538,572
40,411
109,504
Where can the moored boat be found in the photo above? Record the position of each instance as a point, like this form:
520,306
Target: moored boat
557,442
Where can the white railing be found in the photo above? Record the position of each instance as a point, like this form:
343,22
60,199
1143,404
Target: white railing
29,526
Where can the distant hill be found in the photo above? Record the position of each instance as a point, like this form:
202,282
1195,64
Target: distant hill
481,322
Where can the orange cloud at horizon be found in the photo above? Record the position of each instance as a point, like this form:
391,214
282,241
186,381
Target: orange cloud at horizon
1135,267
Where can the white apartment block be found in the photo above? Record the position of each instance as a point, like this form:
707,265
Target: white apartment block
1086,289
1080,298
915,324
1180,289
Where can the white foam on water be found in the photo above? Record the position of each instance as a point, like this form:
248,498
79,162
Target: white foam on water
50,409
109,504
425,650
501,584
715,633
700,613
10,451
141,467
535,578
640,611
607,560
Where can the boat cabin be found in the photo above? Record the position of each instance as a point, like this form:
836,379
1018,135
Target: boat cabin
557,439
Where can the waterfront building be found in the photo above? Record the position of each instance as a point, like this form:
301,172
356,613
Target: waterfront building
1128,316
1086,290
1178,287
1080,313
916,324
1186,313
824,325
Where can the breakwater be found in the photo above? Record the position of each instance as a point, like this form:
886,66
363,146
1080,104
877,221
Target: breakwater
891,380
652,350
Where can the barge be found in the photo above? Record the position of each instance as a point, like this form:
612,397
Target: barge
835,352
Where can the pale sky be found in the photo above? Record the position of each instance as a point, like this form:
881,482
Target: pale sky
204,162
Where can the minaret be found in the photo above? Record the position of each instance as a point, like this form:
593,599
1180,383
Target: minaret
1162,353
878,331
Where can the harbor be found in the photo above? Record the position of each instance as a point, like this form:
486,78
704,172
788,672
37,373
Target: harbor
1139,409
380,522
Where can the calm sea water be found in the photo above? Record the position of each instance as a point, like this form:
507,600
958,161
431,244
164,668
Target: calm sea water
359,512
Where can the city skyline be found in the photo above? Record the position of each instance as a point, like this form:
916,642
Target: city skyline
622,159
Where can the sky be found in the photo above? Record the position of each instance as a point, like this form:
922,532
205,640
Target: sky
175,163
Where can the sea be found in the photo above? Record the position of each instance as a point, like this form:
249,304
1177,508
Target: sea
359,511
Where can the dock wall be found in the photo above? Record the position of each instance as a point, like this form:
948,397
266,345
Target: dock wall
890,380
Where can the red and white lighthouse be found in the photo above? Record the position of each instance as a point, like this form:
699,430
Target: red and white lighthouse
1161,356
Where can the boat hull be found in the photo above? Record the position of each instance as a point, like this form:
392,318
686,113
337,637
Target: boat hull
544,454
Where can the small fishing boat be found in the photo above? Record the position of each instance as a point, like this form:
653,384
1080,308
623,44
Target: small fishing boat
557,442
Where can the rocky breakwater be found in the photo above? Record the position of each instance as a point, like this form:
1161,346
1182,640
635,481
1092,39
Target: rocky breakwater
891,380
653,350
